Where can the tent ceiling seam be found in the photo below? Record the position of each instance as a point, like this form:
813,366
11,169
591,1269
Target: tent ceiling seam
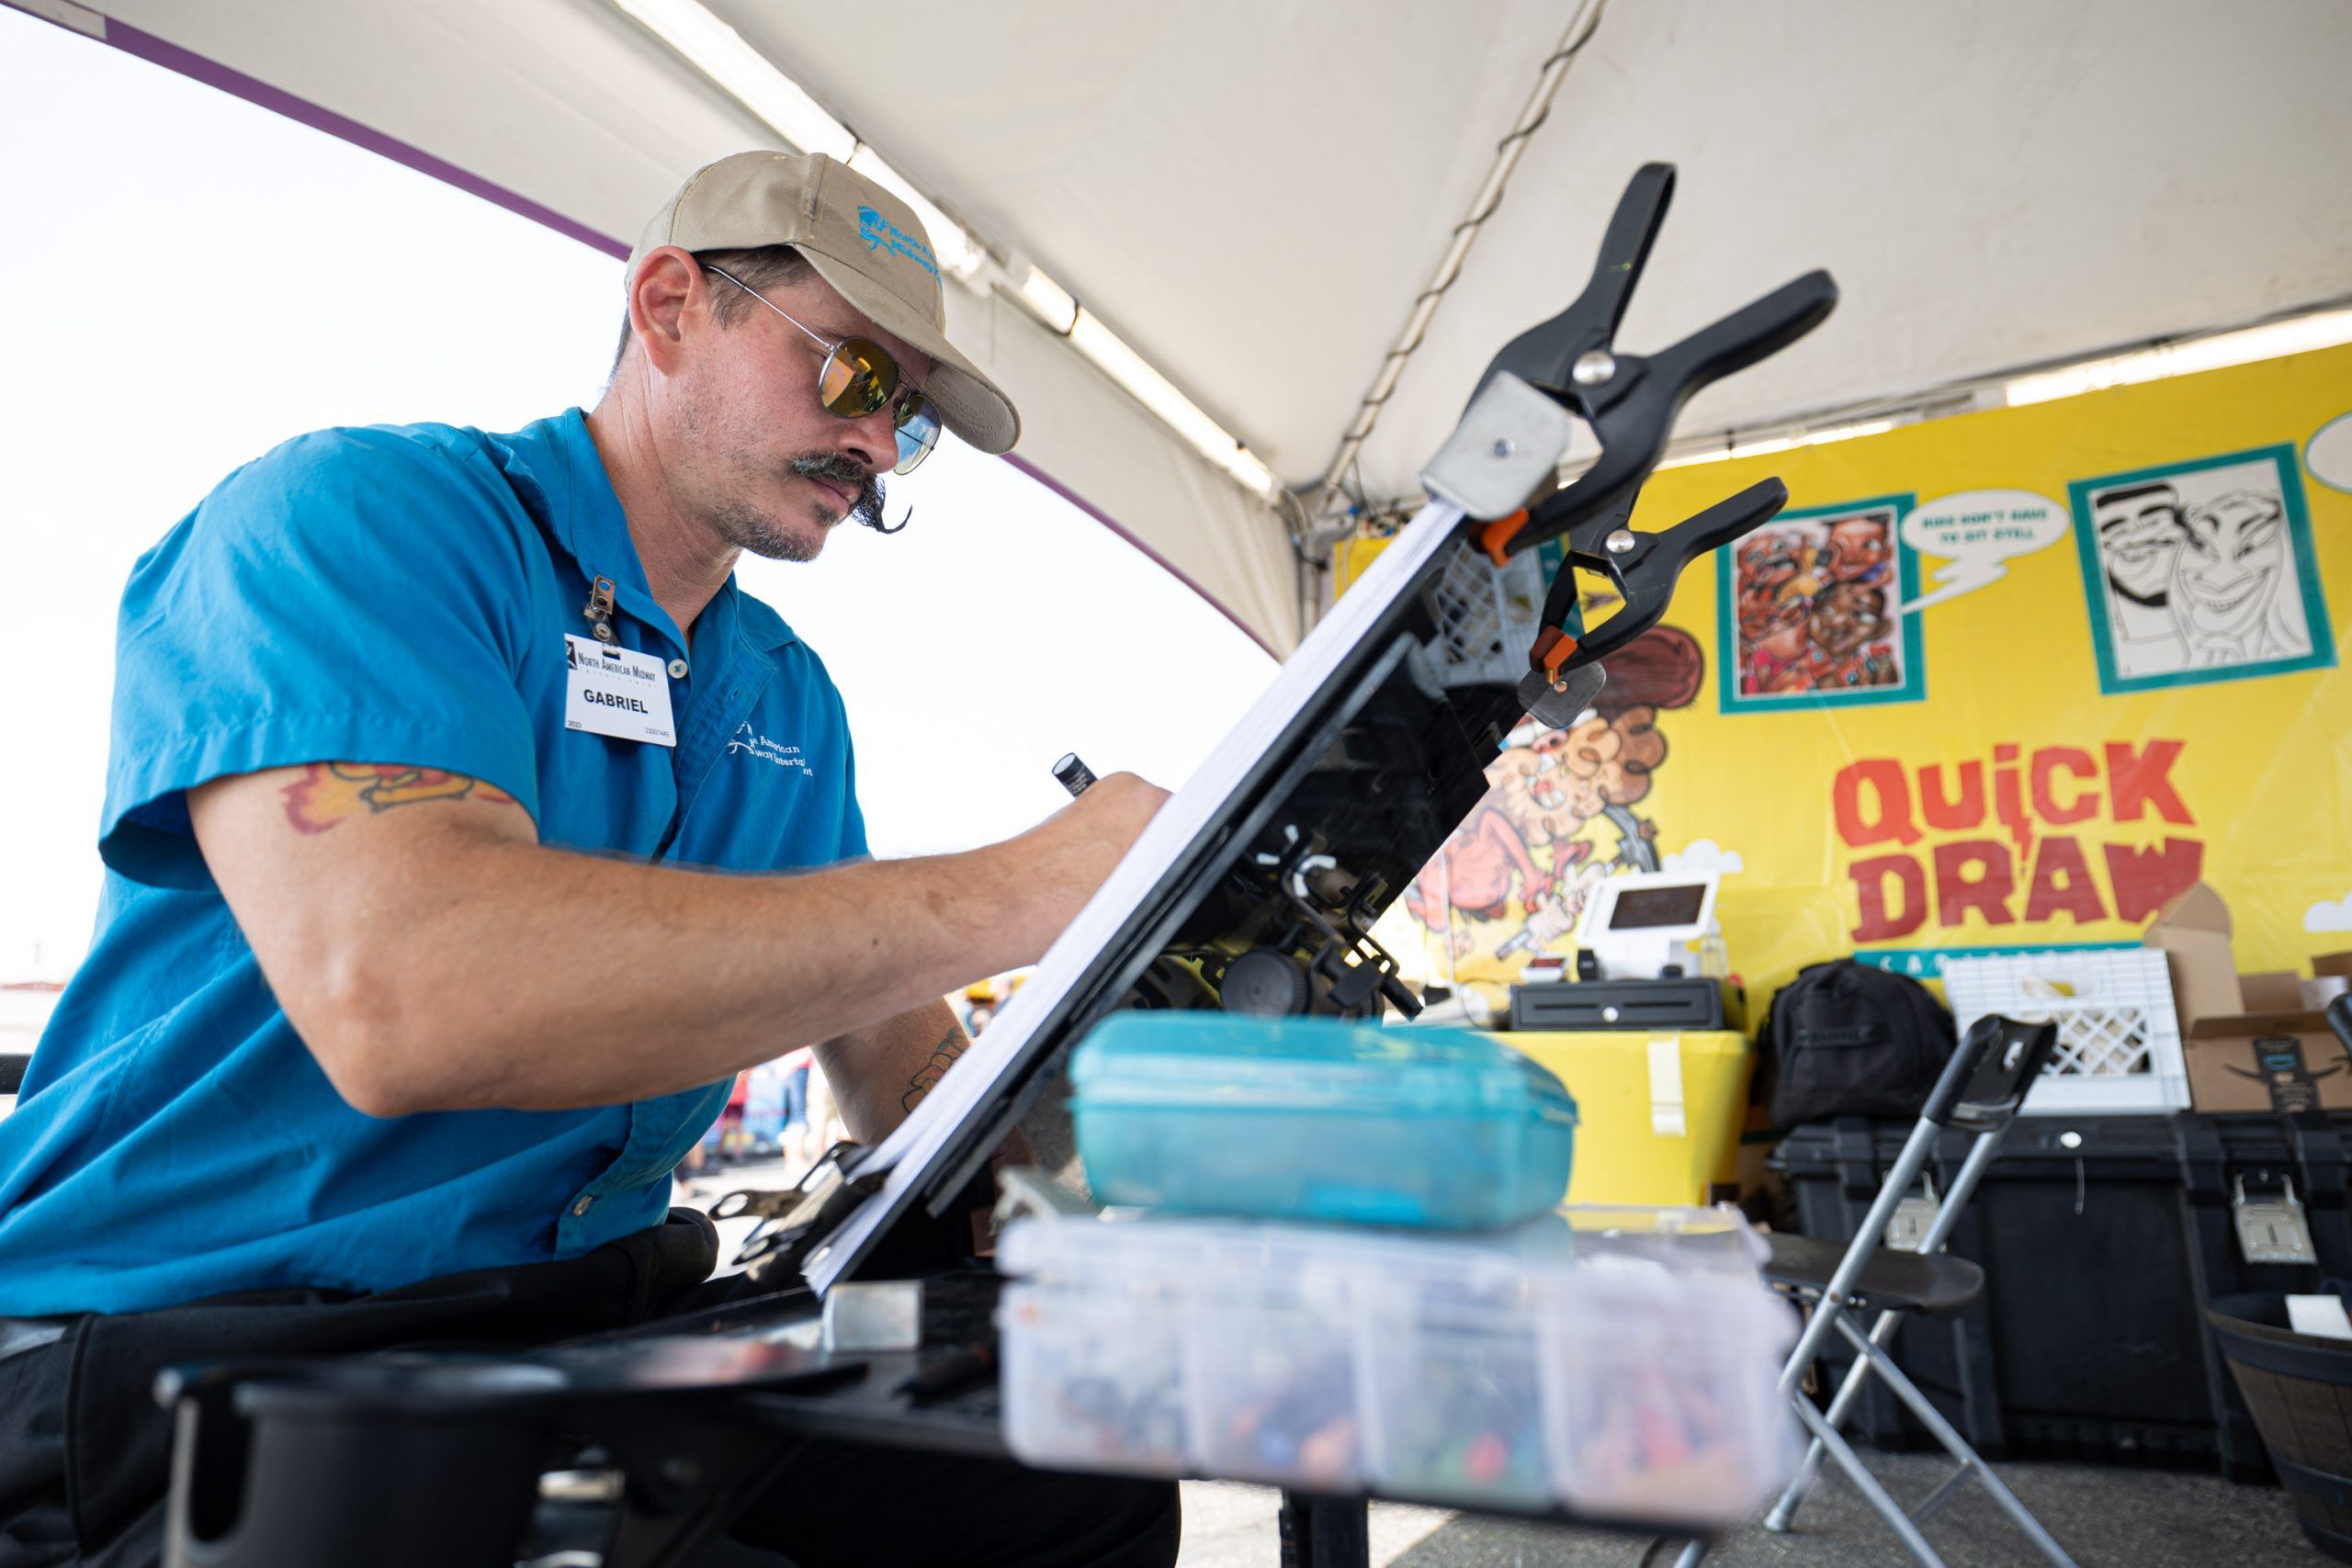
1549,76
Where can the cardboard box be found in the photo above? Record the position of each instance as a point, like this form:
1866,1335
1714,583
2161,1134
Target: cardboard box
2271,990
2194,928
2248,1041
2268,1062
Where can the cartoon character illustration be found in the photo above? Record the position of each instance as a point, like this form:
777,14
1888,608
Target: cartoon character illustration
1774,576
1473,875
1532,834
1838,644
2139,532
1769,562
1774,660
1859,550
2224,592
1814,601
1566,782
1848,626
2202,571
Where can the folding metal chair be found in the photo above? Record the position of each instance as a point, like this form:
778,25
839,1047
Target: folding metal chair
1980,1091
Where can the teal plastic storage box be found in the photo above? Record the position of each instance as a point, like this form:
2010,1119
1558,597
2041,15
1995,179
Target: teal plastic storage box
1314,1119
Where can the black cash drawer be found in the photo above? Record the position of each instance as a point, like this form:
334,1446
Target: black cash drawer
1641,1005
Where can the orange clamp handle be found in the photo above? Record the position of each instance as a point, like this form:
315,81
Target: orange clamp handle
1496,535
1553,649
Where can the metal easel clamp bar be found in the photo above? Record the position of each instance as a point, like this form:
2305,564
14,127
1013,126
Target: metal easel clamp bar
1508,446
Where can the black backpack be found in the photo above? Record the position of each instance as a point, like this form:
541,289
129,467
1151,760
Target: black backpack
1844,1039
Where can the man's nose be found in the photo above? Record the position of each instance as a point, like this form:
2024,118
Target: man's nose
872,442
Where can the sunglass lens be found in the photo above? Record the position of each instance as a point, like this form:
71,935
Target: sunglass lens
858,377
917,431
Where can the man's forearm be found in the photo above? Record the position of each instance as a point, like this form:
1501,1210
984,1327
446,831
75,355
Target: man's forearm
880,1074
433,955
765,964
557,981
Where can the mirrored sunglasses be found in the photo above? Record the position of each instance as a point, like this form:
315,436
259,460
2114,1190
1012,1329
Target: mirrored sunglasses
859,377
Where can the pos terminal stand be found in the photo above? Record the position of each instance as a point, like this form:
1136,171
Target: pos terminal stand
1256,885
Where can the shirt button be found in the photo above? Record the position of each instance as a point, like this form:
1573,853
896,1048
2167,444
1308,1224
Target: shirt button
581,1207
677,668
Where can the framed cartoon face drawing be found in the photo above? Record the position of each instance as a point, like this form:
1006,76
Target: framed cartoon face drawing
2201,570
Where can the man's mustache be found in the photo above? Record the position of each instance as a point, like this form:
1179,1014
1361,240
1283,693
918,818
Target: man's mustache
835,469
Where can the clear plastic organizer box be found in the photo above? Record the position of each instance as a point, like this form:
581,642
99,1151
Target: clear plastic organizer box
1316,1119
1622,1363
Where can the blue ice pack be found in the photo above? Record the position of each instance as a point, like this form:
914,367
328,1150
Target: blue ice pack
1318,1119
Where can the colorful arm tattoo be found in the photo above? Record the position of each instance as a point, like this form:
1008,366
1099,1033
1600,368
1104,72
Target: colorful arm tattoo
329,793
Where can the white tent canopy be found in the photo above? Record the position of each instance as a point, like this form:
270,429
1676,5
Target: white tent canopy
1253,196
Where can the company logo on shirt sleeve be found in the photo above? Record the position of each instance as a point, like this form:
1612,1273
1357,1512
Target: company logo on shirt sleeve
746,742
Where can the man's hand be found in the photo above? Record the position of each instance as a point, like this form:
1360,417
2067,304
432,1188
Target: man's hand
1065,858
433,955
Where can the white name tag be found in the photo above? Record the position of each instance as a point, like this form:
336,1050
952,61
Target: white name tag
614,691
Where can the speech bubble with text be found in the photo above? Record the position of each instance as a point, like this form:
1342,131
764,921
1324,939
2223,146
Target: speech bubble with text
1976,533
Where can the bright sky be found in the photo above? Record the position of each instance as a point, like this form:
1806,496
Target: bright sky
192,279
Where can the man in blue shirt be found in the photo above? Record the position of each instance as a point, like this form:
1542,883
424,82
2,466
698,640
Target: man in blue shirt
438,758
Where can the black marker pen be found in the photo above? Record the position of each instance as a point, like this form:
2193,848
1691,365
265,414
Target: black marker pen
1074,774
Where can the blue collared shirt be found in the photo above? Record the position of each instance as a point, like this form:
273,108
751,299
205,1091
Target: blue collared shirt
392,595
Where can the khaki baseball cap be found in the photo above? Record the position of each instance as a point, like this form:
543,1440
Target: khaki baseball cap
862,240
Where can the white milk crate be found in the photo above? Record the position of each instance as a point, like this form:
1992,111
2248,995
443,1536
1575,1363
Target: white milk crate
2119,1040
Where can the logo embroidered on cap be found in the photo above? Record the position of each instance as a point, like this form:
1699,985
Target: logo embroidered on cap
767,750
879,232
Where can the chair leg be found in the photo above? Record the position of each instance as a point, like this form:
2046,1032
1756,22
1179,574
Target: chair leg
1851,1390
1980,1158
1928,1507
1784,1512
1867,1238
1872,1490
1957,1446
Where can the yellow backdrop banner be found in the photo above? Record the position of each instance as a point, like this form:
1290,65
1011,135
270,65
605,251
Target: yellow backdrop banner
2004,680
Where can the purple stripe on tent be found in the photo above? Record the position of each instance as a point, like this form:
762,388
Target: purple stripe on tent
1164,564
172,57
212,73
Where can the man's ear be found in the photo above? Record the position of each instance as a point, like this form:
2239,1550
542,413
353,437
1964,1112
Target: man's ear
668,296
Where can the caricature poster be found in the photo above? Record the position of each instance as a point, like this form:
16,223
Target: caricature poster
1815,610
2202,569
1998,681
